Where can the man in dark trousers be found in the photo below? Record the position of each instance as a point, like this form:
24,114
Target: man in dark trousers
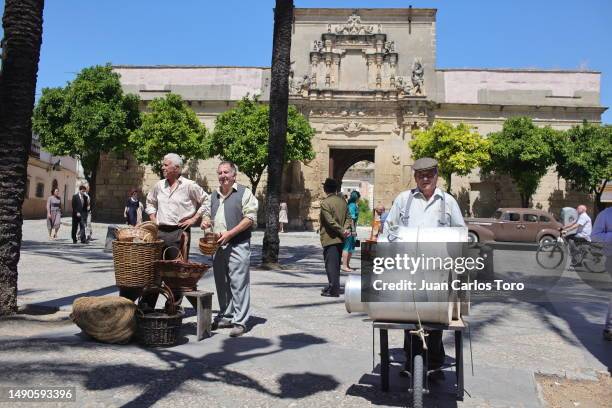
335,226
80,203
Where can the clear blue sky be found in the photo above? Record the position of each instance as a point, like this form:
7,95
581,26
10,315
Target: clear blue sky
556,34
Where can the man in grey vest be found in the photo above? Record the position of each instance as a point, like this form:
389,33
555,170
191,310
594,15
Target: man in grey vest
233,213
425,206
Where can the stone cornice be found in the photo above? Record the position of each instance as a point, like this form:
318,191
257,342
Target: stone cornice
517,107
388,14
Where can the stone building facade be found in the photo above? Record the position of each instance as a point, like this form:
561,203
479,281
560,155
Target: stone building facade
365,79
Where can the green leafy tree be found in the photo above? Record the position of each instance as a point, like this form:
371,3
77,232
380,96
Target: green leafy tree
87,117
524,152
241,136
584,157
458,149
365,213
170,127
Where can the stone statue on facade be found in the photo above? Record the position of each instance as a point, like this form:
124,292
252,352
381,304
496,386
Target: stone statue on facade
317,46
388,47
418,73
403,86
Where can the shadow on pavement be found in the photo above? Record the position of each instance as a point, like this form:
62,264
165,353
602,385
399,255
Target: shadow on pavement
157,383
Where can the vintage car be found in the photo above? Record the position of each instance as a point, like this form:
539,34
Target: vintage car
514,225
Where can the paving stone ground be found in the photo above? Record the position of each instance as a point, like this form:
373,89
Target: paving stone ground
303,350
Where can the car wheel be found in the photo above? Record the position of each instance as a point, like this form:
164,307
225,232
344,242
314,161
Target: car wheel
546,239
472,238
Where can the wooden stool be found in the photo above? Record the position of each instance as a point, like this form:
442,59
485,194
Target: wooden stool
202,302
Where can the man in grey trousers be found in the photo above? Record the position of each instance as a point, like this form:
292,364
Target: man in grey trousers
234,212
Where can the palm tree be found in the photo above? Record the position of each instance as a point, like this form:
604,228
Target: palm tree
279,103
22,23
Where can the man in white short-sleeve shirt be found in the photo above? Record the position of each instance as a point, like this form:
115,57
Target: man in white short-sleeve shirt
583,227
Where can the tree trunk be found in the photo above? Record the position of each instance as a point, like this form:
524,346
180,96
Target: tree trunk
599,206
92,187
525,200
279,104
254,184
22,23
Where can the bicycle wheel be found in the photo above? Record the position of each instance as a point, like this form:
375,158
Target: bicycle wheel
594,261
417,381
550,255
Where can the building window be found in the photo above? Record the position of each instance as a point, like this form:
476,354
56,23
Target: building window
40,190
27,189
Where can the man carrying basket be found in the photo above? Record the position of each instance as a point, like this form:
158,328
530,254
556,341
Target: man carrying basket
234,213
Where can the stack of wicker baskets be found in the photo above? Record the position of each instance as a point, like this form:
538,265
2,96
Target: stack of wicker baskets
134,252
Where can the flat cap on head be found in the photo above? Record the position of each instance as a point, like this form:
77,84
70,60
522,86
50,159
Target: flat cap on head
425,163
330,185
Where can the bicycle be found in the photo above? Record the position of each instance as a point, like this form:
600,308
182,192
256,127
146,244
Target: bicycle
551,255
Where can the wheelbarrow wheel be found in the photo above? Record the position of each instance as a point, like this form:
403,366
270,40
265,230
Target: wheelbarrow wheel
417,382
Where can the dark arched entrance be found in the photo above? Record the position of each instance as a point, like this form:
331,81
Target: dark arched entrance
341,159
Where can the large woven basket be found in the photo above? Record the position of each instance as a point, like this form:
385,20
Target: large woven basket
160,327
134,263
109,319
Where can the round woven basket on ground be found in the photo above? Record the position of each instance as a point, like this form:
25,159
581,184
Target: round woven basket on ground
110,319
134,263
160,327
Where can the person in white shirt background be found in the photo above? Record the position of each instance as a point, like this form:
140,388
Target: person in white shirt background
583,227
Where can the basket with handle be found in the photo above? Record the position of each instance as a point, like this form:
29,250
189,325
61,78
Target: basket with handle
134,263
179,274
159,327
208,244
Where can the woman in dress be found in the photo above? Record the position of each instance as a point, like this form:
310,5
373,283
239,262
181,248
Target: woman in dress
133,209
282,216
54,213
349,242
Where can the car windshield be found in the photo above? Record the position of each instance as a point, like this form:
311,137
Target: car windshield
497,215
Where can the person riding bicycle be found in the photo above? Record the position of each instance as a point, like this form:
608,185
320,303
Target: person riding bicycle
583,227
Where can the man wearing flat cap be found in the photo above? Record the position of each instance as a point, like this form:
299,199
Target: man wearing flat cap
335,226
425,206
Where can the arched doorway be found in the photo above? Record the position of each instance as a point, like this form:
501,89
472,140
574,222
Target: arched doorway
358,164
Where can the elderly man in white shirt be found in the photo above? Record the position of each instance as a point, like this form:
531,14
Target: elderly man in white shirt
234,214
176,203
583,227
425,206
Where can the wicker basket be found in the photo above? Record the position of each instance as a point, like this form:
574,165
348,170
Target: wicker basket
180,275
208,244
134,263
158,327
146,231
109,319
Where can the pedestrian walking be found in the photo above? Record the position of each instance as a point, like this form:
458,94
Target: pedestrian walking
133,209
282,216
80,204
349,242
335,226
54,213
